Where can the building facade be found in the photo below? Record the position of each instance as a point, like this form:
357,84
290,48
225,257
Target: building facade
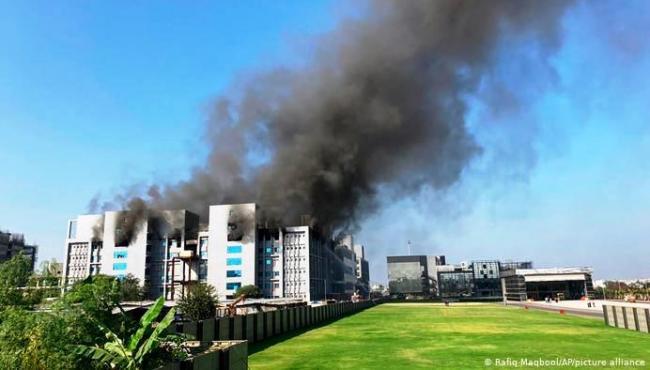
362,271
539,284
159,249
408,275
232,245
12,244
168,250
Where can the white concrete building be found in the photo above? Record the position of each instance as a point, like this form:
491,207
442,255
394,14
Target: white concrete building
158,249
166,251
232,248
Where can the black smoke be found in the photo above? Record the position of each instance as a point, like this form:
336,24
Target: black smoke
130,221
380,106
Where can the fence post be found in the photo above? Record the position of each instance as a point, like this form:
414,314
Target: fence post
624,316
208,330
605,316
636,319
224,328
615,316
250,327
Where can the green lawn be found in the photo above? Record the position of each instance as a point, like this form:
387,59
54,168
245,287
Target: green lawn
462,336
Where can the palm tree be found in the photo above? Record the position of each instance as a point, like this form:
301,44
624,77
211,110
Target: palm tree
131,353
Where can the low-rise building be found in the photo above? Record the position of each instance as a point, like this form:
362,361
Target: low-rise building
539,284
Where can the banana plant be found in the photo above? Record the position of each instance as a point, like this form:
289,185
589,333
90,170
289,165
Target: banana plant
132,352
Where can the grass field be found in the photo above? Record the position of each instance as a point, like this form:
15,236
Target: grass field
462,336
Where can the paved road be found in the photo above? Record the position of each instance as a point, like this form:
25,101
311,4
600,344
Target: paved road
594,313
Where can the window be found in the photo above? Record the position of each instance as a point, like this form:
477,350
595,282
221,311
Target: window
233,273
233,249
119,266
276,273
269,249
268,261
120,255
233,286
203,270
276,285
233,261
203,247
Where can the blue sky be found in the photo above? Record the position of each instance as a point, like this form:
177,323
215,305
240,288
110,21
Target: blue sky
98,96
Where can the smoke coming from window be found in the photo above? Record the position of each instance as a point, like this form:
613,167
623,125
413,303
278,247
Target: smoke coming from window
381,106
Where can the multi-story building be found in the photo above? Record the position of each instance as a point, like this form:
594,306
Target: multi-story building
362,271
232,245
413,275
168,250
431,276
345,251
476,279
159,249
408,275
12,244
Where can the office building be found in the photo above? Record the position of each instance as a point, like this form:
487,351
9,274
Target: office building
345,251
408,275
232,240
539,284
158,248
362,271
168,250
12,244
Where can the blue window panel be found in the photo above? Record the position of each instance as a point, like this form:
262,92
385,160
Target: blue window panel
119,266
269,249
233,273
233,286
120,254
233,261
269,261
233,249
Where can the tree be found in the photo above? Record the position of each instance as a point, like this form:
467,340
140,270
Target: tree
137,351
250,291
39,340
199,303
131,289
14,274
95,298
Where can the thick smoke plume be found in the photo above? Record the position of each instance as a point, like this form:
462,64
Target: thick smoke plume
380,107
130,221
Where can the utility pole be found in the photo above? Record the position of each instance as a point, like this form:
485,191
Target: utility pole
409,247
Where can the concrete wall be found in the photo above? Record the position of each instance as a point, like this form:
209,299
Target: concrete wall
264,325
627,317
233,357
